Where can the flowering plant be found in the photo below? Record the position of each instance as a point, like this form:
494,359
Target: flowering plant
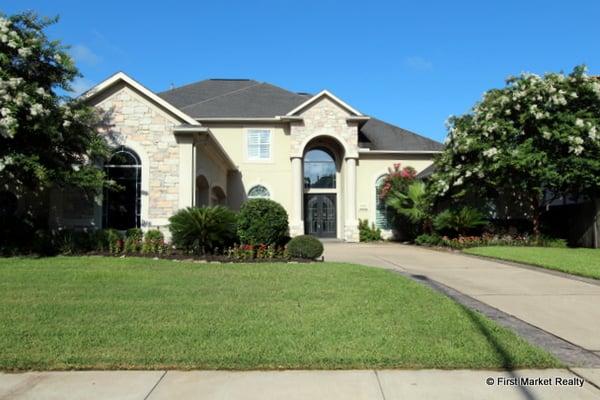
397,179
45,138
534,140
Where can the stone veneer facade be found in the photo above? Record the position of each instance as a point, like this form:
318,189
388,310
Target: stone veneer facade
136,123
326,119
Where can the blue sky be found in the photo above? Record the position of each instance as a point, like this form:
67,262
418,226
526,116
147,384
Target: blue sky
412,63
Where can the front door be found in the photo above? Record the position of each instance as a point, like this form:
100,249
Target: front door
320,215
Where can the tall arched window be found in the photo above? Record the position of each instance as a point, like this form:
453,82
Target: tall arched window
383,213
122,207
258,192
319,169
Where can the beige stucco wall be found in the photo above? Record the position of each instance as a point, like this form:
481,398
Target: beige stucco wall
274,174
371,167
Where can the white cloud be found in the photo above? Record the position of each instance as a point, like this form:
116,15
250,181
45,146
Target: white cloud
418,63
80,85
83,54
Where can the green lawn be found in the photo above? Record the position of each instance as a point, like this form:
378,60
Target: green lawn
583,262
109,313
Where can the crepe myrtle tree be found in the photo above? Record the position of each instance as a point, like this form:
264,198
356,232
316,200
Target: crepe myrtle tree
530,142
46,137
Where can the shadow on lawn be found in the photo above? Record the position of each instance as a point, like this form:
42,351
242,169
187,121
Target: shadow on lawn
501,351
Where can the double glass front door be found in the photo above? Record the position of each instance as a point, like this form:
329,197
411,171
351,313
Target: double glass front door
320,215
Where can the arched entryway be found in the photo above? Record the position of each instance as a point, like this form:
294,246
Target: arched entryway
322,167
122,207
218,197
202,191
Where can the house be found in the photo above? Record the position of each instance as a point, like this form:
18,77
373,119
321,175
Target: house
222,141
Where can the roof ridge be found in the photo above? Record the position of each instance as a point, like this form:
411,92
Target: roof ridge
195,83
222,95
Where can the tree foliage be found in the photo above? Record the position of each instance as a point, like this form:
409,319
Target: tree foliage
46,137
538,135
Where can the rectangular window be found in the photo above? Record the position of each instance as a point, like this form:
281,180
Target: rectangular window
259,144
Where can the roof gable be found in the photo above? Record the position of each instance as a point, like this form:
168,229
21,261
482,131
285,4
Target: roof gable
324,94
121,77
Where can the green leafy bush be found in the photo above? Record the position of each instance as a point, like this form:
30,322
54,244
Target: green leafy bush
305,246
459,222
134,233
99,240
115,241
368,233
262,221
69,242
154,242
428,240
133,240
202,230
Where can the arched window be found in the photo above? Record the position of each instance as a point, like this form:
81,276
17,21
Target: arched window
122,207
319,169
258,192
383,213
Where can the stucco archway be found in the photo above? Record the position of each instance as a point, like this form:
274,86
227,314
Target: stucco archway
202,191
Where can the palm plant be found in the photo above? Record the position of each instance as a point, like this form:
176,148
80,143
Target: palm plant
460,221
413,204
202,230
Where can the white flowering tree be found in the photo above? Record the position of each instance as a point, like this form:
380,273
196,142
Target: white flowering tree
45,138
534,140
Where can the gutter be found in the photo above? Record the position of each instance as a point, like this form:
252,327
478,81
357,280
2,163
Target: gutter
279,118
368,151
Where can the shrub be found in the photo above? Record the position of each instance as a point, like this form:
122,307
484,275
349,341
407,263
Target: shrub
154,242
115,241
305,246
202,230
133,241
459,222
68,242
134,233
428,240
132,245
368,233
99,240
262,221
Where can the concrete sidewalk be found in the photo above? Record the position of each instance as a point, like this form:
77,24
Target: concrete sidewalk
564,307
291,385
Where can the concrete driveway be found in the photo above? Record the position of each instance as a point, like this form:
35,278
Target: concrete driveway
567,308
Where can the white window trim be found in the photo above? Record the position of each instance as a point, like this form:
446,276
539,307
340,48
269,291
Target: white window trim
246,145
374,200
263,185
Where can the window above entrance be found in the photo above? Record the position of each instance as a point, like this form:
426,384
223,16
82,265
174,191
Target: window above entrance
319,170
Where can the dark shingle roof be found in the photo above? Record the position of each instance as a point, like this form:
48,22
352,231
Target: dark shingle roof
246,98
427,172
215,98
384,136
204,90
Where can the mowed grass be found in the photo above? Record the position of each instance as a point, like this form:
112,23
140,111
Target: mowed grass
582,262
111,313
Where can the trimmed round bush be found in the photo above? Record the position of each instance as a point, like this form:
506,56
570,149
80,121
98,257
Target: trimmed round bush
262,221
305,246
202,230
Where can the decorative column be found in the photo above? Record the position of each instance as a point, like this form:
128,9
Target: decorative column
351,223
187,166
296,220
